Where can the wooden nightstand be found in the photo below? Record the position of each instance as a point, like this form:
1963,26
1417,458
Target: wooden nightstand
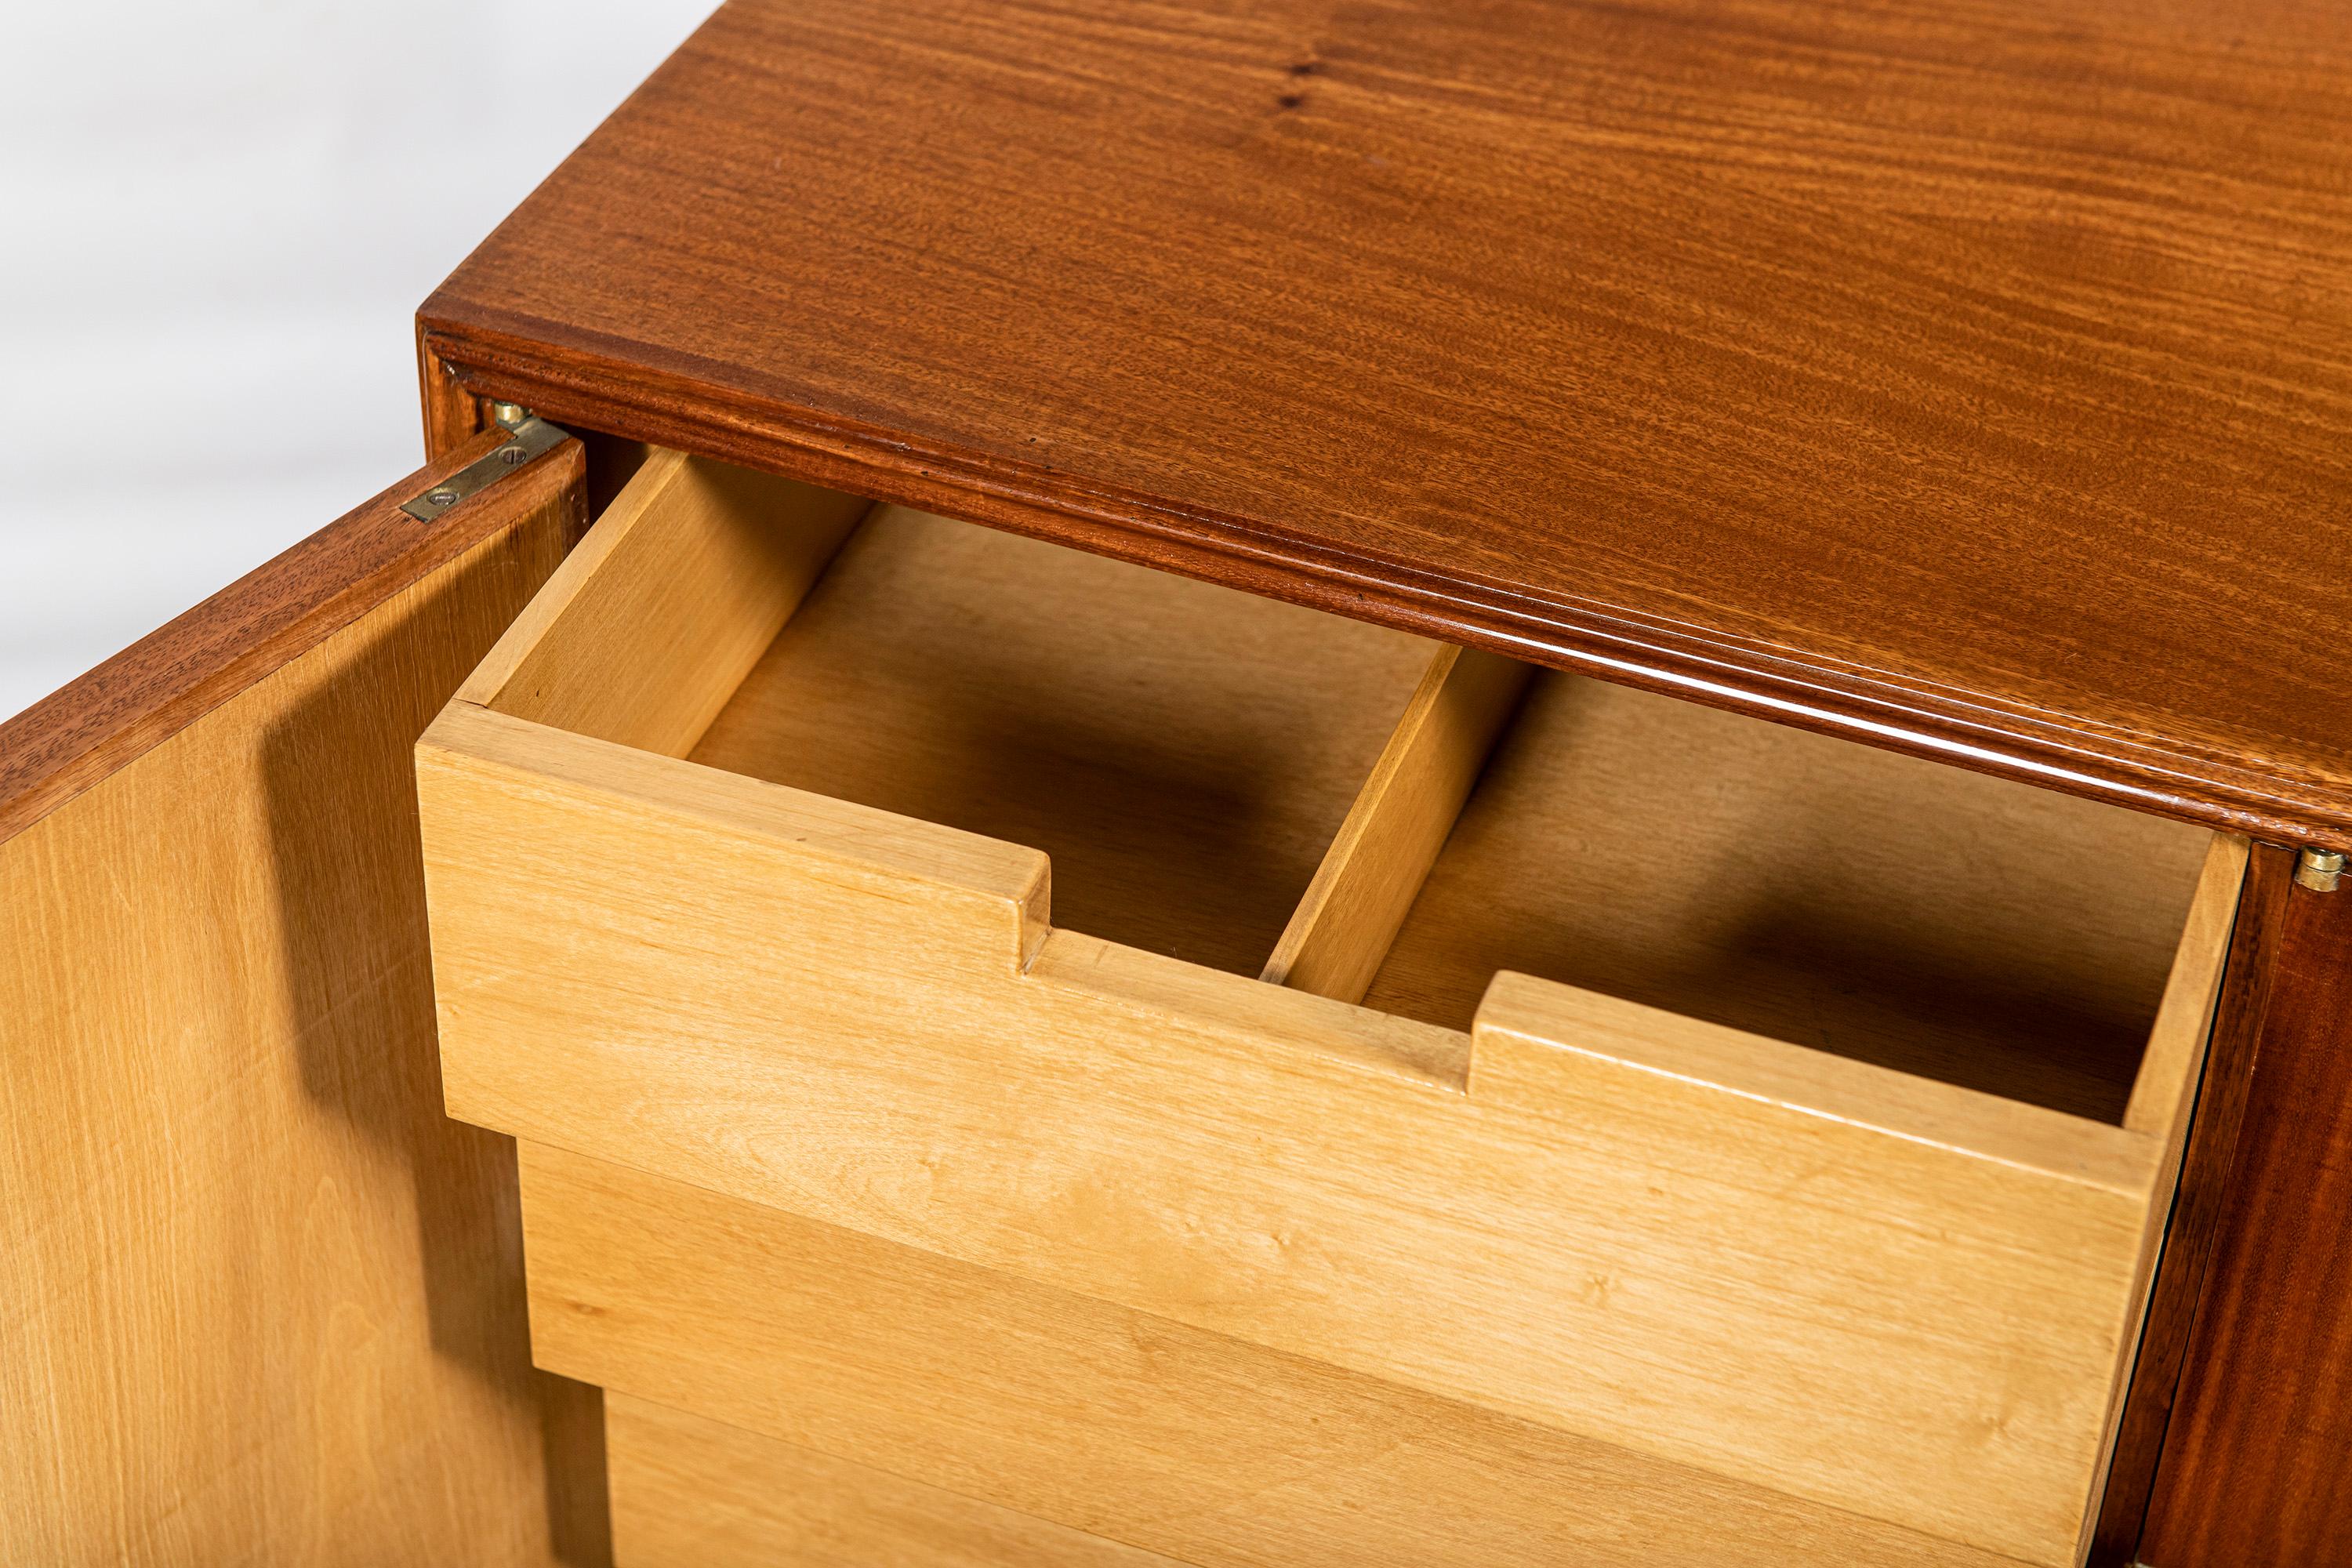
1682,674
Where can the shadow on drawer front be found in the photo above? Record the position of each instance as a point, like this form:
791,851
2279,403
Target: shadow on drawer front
1778,1109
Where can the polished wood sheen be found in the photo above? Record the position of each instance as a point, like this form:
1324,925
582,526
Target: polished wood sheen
2257,1464
1972,377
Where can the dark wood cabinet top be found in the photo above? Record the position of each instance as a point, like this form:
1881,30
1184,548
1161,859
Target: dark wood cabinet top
1975,376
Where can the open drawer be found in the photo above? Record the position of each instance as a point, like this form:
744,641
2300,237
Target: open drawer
1793,1112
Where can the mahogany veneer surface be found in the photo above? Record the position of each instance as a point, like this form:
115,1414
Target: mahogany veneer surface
1977,374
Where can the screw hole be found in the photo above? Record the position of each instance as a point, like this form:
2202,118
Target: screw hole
511,454
442,496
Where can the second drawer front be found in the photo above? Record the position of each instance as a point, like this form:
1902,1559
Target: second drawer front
1100,1418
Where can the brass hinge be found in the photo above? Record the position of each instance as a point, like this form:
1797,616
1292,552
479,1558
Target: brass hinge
2319,869
528,436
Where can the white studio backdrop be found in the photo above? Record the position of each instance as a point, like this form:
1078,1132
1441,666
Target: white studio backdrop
217,218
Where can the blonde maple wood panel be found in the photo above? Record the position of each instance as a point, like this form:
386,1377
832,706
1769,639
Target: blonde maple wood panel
1802,887
691,1493
259,1300
1210,1451
1913,1306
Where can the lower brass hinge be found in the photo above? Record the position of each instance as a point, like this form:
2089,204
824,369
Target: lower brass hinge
2319,869
527,434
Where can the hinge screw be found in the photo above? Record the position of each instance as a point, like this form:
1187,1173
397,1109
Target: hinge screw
508,414
2319,869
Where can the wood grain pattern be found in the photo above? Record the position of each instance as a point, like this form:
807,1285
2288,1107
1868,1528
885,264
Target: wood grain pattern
1373,871
692,1493
1966,928
1216,1452
2257,1462
1972,377
1953,1282
1185,753
259,1297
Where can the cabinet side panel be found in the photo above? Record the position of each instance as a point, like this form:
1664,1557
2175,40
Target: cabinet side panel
259,1301
2257,1464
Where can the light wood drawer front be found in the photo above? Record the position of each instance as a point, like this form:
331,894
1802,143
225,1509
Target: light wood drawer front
688,1492
714,896
1115,1424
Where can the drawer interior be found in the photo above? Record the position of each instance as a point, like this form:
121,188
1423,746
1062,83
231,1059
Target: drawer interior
1799,886
1265,789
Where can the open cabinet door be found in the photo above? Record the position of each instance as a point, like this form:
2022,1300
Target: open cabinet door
260,1301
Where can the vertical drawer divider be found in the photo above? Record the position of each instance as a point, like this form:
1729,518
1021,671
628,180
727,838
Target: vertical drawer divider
1382,853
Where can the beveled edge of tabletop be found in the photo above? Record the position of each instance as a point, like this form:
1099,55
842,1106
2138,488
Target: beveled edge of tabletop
631,389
